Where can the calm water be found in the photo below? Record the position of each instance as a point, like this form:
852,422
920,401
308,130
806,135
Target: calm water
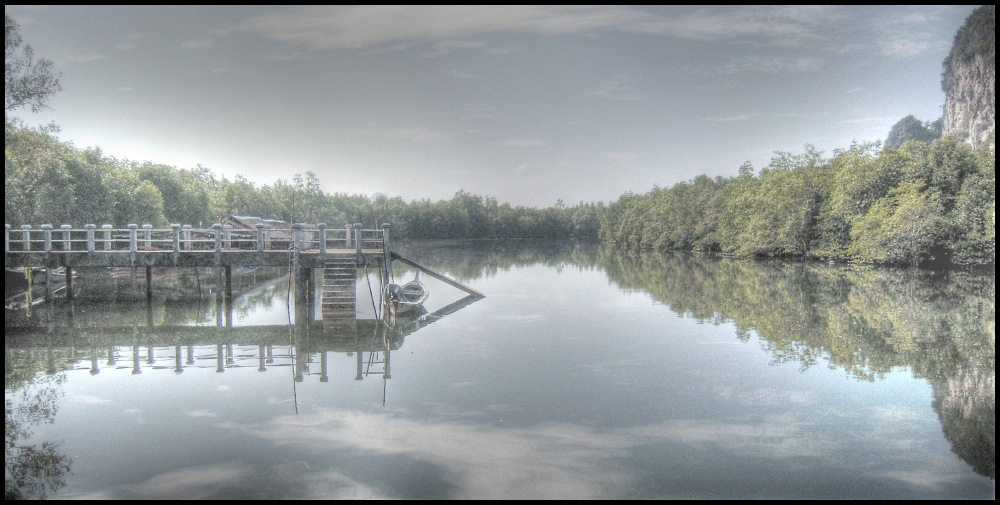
582,374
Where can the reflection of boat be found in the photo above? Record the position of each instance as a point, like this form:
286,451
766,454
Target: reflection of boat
408,297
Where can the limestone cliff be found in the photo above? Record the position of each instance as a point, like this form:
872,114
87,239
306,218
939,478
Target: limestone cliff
969,80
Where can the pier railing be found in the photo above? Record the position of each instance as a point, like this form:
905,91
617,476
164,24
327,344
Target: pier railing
303,238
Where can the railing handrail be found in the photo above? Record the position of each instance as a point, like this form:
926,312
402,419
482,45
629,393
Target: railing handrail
177,238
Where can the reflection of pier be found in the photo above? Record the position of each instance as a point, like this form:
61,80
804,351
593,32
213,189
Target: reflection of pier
149,347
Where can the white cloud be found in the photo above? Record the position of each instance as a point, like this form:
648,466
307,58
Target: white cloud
418,135
770,64
335,27
447,46
462,75
196,44
520,143
728,119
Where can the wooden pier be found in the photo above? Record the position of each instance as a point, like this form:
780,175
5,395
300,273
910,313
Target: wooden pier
340,252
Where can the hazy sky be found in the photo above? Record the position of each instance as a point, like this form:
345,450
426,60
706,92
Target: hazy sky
528,104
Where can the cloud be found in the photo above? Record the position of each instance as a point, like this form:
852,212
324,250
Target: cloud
335,27
124,88
728,119
622,87
130,41
285,57
447,46
462,75
418,135
196,44
770,64
520,143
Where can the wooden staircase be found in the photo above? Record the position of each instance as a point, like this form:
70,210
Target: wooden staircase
340,278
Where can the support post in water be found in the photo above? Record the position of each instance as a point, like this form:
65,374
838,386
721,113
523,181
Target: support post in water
149,283
229,282
386,259
324,376
69,283
357,241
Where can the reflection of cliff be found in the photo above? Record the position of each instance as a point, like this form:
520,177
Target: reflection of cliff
967,407
864,321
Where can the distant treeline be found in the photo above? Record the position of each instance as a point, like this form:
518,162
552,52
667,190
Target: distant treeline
907,205
50,181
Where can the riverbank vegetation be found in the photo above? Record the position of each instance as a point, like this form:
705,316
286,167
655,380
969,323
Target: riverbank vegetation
909,205
50,181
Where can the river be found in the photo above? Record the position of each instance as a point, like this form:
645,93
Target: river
583,373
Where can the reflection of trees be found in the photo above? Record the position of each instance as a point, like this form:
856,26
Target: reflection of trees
865,321
468,260
31,471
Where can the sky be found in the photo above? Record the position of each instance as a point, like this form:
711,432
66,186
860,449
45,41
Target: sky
529,104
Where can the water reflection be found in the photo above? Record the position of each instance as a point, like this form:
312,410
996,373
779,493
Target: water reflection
31,471
865,321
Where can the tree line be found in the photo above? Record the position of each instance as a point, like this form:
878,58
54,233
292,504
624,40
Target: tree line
910,205
50,181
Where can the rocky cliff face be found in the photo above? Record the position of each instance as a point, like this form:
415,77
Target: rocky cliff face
969,80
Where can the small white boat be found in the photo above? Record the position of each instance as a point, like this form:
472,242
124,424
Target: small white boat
407,297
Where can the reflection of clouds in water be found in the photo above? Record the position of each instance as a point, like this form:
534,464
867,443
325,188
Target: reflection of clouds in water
765,397
526,318
233,480
87,399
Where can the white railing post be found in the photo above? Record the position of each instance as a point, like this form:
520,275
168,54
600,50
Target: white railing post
26,237
347,235
187,237
90,237
322,238
218,236
260,237
357,239
147,236
132,235
296,238
176,227
47,232
227,231
106,228
67,244
6,239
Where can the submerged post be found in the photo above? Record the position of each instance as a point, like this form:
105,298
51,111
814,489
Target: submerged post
386,260
90,237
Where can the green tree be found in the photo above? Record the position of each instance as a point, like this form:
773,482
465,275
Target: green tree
27,82
910,128
902,228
